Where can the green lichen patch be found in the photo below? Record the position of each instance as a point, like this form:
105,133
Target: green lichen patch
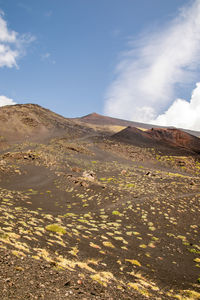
56,228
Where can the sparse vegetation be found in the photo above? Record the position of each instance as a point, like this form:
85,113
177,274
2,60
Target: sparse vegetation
114,236
56,228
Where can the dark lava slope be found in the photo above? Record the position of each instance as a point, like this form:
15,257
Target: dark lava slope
160,138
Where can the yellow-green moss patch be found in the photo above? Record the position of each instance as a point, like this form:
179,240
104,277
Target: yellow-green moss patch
56,228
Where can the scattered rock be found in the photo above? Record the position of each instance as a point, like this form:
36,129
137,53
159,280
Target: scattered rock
67,283
84,184
181,163
89,175
150,174
76,169
123,172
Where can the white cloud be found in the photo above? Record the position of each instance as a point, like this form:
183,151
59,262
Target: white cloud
150,71
12,47
183,114
6,101
12,44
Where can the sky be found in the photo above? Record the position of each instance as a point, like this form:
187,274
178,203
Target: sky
131,59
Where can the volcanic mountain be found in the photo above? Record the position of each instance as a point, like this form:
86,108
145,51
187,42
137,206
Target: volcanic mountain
98,119
159,138
113,123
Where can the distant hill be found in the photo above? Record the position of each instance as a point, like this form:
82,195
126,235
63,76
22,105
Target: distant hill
97,119
160,138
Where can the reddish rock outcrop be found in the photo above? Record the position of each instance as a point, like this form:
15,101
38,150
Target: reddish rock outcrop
160,138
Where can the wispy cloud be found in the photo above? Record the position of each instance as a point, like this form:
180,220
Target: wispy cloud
148,74
47,57
6,101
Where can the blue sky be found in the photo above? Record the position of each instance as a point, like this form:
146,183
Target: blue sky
69,49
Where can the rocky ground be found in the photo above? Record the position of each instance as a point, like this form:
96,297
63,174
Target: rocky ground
95,218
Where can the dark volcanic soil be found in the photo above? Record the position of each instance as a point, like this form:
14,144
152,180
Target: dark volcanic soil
89,217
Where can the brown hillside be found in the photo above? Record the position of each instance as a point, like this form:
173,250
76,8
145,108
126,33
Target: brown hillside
33,122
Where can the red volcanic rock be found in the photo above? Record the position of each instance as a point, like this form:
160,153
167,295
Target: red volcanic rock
173,135
176,137
160,138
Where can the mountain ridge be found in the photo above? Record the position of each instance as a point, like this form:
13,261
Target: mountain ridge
98,119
